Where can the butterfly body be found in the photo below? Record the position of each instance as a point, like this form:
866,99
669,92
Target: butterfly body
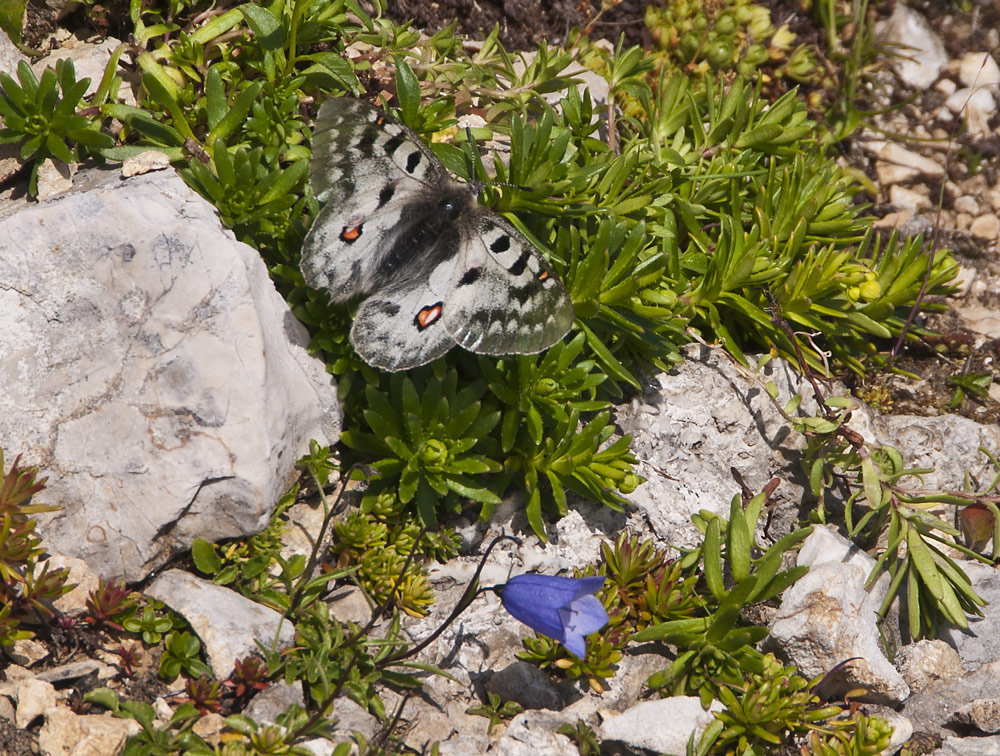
430,267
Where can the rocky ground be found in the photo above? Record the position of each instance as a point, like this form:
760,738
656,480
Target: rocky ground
933,166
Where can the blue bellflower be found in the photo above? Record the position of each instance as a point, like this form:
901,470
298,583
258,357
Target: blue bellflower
564,609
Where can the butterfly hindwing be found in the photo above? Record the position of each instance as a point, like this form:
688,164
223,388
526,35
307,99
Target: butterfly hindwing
505,298
401,328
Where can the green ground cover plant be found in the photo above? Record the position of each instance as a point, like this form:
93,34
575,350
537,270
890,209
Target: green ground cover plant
706,208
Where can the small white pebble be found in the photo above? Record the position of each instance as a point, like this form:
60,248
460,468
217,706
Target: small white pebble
967,204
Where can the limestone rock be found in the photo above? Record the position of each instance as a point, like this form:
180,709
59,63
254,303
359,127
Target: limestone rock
922,53
980,644
34,698
969,747
926,662
692,426
663,725
76,670
533,733
152,371
978,69
89,60
828,617
80,575
526,684
986,227
931,709
67,734
274,700
982,713
227,623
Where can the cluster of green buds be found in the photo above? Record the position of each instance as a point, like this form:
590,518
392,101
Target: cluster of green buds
727,35
861,282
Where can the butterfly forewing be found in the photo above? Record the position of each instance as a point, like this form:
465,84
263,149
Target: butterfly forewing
432,268
341,253
354,144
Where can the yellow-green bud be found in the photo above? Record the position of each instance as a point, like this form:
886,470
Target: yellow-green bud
870,290
434,452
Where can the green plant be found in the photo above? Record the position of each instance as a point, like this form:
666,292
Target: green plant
775,710
427,443
915,555
976,384
203,694
716,648
709,209
732,34
774,706
149,625
249,676
43,120
174,737
129,656
649,598
181,653
110,604
583,737
26,592
495,710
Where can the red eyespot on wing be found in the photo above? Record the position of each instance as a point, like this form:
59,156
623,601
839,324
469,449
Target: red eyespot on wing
427,315
351,234
543,275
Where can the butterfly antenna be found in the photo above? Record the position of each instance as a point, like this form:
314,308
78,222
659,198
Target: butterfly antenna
471,141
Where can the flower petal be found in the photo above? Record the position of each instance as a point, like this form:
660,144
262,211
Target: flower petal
535,600
584,616
589,585
576,645
561,608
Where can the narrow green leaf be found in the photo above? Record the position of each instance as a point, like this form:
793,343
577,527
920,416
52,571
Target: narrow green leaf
712,559
738,541
267,28
407,90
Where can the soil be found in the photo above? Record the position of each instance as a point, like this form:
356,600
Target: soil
525,23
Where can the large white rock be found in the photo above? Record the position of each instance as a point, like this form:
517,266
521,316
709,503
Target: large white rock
229,625
828,618
663,726
67,734
151,369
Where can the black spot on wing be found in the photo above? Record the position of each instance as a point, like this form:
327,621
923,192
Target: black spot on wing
386,194
413,161
500,244
520,263
471,276
386,307
522,293
393,144
367,140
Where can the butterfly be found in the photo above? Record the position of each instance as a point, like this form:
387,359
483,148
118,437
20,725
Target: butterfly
429,266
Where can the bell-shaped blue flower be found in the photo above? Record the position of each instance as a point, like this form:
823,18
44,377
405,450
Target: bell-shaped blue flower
564,609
